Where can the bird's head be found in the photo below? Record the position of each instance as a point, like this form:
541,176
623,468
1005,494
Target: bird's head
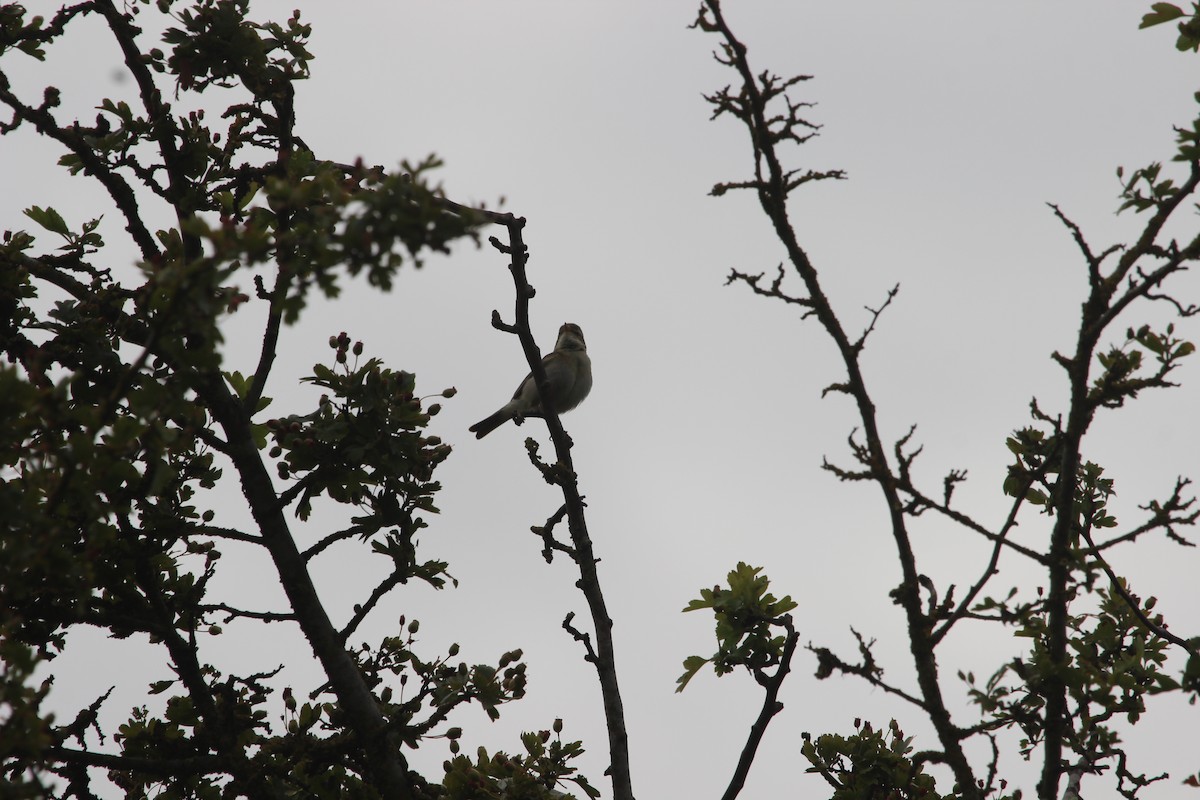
570,337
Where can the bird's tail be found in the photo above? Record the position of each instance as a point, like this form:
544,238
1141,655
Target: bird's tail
489,424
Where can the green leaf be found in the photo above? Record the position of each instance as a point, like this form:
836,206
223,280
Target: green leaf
72,162
691,665
260,432
1160,13
1187,42
49,219
707,599
239,383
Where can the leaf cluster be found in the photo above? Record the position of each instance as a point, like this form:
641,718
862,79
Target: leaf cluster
870,764
532,775
1188,27
749,624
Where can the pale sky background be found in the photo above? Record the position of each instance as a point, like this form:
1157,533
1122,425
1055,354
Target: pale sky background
702,441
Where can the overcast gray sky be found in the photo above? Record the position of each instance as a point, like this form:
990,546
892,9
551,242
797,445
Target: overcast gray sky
702,441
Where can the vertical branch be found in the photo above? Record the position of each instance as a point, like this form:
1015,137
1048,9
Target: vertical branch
1099,311
589,580
285,117
772,186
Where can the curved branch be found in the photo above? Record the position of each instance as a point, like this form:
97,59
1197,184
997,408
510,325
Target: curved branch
1131,602
770,707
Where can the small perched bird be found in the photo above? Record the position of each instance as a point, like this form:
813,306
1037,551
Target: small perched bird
568,379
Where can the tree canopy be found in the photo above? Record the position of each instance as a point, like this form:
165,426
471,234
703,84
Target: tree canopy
127,429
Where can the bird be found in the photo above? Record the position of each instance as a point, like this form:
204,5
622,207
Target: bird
568,381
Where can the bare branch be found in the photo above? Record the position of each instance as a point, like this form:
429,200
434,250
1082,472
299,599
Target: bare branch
581,637
1094,262
195,765
546,532
828,662
875,312
334,538
1190,310
361,611
1165,515
224,533
775,290
235,613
